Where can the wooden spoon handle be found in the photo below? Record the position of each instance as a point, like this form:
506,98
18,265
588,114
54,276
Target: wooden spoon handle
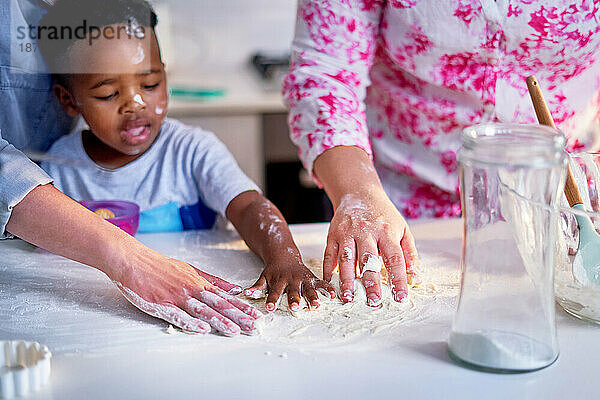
545,118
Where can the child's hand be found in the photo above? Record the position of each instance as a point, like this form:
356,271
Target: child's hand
291,276
265,231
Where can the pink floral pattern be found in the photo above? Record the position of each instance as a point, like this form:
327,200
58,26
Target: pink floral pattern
399,81
467,10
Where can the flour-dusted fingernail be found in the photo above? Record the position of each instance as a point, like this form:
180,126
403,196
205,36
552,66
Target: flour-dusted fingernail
254,293
400,295
234,291
373,300
347,296
294,307
225,327
247,324
248,328
270,307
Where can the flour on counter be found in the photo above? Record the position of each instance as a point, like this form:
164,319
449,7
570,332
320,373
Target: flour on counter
337,323
75,309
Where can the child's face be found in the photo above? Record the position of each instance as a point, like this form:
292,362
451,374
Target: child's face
124,99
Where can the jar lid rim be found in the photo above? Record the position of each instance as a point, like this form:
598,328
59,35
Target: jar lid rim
480,134
513,144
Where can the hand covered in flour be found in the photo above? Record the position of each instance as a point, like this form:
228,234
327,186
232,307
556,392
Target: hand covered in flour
220,283
158,285
289,275
265,231
183,296
365,226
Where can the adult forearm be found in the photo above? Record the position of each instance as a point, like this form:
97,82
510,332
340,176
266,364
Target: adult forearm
347,170
53,221
156,284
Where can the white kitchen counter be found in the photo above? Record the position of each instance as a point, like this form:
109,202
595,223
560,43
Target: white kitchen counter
104,348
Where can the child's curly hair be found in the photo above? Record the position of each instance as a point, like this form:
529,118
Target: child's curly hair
71,20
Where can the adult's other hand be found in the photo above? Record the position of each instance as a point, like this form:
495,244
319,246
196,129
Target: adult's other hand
366,224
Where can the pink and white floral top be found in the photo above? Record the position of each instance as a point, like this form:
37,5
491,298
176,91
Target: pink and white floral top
401,78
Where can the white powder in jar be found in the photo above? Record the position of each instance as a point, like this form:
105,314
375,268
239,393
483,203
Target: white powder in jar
501,350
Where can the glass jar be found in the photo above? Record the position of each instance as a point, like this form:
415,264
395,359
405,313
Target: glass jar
511,178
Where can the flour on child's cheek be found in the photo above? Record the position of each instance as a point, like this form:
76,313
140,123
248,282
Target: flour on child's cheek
160,108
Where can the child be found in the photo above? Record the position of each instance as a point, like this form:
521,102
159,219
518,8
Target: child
181,176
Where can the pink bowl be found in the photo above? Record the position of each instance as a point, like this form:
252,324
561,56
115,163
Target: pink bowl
127,213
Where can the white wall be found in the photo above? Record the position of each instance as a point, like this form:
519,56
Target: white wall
217,36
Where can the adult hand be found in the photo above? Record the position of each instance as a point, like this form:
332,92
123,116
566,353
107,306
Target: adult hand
366,224
289,275
177,293
361,229
158,285
220,283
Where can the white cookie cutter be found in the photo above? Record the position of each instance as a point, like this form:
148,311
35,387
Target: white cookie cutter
24,367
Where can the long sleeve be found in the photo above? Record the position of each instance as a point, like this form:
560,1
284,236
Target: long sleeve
31,117
332,53
18,176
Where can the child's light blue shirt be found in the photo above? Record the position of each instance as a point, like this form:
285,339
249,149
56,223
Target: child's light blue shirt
185,175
